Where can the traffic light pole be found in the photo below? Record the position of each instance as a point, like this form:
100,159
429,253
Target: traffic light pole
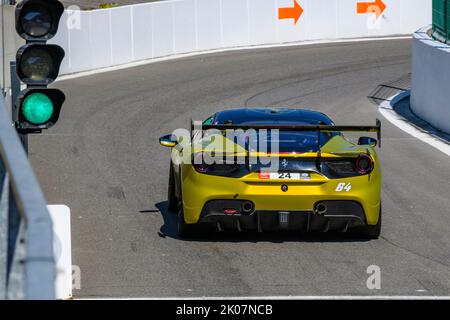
15,91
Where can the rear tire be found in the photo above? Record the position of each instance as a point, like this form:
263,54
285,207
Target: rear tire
171,197
372,232
175,204
184,230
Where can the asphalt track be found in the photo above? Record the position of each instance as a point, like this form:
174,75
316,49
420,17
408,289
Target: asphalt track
103,160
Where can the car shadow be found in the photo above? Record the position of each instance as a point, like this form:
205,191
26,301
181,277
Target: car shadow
169,230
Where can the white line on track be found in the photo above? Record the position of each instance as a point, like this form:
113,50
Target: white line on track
386,109
286,298
192,54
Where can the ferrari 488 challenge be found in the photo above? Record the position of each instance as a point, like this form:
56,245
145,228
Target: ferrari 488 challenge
274,169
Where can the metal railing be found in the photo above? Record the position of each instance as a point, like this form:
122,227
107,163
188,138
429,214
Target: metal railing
441,20
27,266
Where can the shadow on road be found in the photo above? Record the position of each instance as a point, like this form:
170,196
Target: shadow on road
385,92
169,229
403,109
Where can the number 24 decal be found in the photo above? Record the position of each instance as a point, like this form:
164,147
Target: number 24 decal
344,187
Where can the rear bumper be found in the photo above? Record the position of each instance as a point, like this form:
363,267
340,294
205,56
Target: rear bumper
339,216
269,199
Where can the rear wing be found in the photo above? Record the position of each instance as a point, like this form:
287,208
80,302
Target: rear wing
320,128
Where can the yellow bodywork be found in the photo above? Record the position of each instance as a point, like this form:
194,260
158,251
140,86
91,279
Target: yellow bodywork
197,188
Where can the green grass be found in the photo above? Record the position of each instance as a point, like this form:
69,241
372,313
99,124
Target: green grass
108,5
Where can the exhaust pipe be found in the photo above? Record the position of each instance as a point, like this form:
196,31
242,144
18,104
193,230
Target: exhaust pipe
247,207
320,208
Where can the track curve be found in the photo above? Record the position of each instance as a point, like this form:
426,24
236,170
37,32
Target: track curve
103,160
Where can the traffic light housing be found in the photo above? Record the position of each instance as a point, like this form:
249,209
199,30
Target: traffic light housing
38,20
37,63
40,109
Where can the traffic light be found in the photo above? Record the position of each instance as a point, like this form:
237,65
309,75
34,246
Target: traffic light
38,64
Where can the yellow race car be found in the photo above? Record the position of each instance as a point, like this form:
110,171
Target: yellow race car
274,169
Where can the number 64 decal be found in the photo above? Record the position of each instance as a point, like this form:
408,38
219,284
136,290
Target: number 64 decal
344,187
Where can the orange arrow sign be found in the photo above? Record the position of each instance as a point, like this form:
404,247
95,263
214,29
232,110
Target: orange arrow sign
291,13
377,7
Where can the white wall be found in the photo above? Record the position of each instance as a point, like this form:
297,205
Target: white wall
430,94
9,42
101,38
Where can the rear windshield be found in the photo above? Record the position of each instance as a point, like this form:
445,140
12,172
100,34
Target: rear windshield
283,141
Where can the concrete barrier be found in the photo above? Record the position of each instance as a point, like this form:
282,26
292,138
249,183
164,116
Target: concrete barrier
109,37
430,94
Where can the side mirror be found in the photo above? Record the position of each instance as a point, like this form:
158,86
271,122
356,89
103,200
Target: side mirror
368,141
168,141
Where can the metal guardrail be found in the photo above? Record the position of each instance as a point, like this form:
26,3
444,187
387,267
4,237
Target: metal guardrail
27,266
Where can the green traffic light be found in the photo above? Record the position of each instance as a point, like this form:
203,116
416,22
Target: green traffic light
37,108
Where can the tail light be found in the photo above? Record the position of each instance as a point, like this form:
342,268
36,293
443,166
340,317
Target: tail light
233,170
364,164
347,167
230,211
199,164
